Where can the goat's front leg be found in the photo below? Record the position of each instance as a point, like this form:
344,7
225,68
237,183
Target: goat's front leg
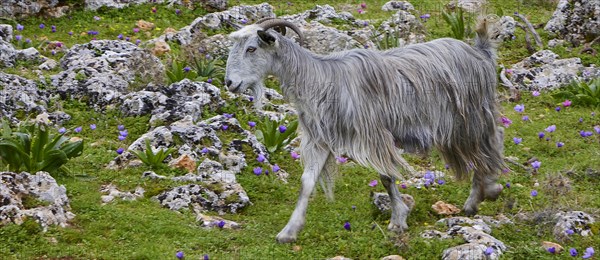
399,209
314,160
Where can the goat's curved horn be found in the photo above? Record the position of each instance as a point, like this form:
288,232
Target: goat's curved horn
275,22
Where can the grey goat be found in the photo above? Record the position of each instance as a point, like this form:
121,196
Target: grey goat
373,105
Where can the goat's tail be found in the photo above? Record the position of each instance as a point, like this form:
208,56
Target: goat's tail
484,40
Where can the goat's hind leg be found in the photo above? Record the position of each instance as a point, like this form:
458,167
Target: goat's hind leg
399,209
314,161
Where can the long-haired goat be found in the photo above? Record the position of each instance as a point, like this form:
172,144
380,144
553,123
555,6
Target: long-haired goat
371,105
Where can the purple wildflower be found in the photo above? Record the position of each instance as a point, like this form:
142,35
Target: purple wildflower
520,108
441,182
489,250
560,144
120,36
551,128
261,158
525,118
204,150
70,33
224,127
138,41
127,38
93,126
570,232
347,226
251,123
205,257
136,30
42,26
120,150
425,16
581,120
258,171
507,185
403,185
551,250
244,21
97,18
209,81
122,138
534,193
228,116
566,103
177,11
535,93
597,129
62,130
557,109
517,140
78,129
505,121
123,133
221,224
121,127
373,183
341,159
585,133
360,11
295,155
282,129
275,168
536,165
363,5
573,251
589,252
53,28
153,9
429,175
20,27
354,207
187,69
53,52
179,255
541,135
18,37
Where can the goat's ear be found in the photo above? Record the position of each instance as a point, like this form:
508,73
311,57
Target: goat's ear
266,37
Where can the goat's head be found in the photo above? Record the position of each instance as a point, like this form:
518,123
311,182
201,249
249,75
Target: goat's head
252,54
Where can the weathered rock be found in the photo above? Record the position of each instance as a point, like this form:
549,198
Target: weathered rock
6,32
20,95
578,222
241,14
506,27
339,257
471,6
206,221
112,193
443,208
185,162
322,39
477,224
20,8
161,48
49,64
229,200
470,251
429,234
325,14
397,5
577,21
100,71
405,27
547,245
145,25
7,54
544,70
392,257
96,4
19,190
180,99
382,201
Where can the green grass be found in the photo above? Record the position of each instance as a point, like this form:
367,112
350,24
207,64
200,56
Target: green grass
144,230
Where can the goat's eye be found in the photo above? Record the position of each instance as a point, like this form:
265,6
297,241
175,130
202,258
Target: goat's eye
251,49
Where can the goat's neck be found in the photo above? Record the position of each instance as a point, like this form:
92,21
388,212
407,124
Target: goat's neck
296,67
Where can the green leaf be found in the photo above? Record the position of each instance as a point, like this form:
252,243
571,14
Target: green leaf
54,160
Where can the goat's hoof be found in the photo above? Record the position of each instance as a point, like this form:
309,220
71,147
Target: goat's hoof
492,193
284,238
470,211
397,228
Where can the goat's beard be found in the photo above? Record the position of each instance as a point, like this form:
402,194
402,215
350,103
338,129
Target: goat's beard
257,90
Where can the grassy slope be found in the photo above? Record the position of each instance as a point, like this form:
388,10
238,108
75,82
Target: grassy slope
143,230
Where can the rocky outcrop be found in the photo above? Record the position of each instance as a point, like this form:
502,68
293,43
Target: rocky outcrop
39,197
577,21
20,95
25,8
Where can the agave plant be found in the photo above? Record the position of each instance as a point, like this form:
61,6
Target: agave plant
34,149
153,160
209,69
180,71
274,136
456,20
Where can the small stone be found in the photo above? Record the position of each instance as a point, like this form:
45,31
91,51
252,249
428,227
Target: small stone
443,208
392,257
557,247
184,162
161,48
145,26
296,248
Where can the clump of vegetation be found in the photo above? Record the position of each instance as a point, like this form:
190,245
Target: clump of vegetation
581,93
33,148
275,136
460,28
151,159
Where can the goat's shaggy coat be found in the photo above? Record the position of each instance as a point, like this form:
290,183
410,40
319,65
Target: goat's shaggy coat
367,104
